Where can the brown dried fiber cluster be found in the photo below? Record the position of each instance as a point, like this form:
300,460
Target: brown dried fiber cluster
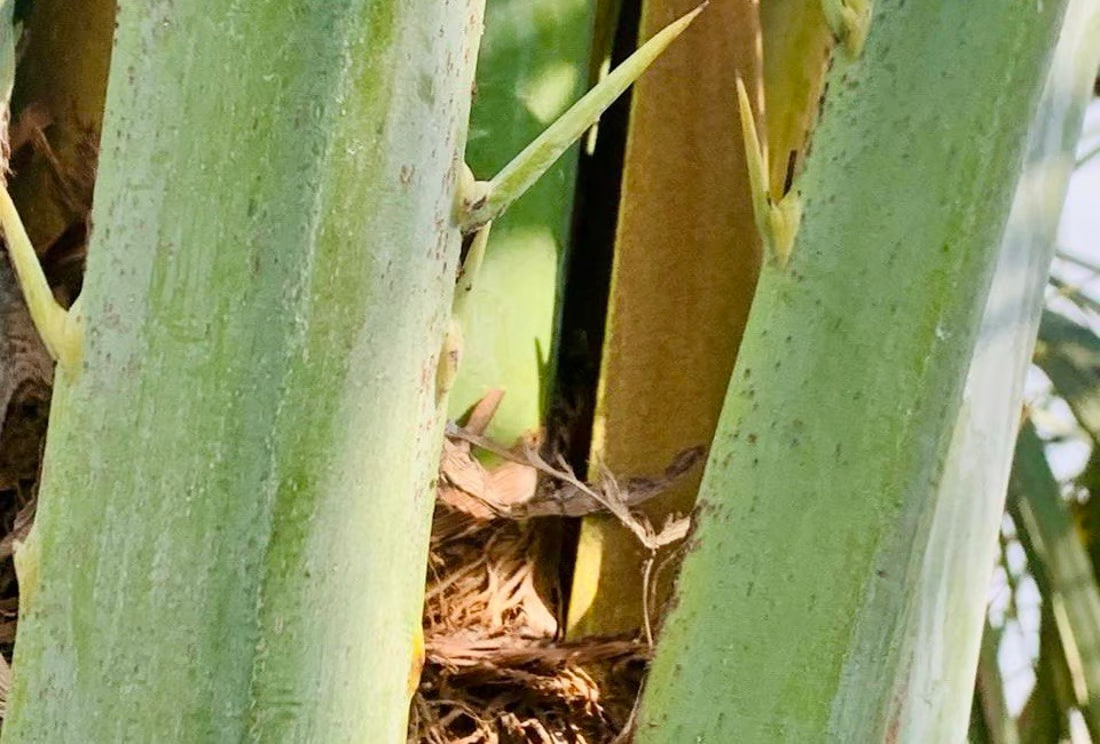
497,669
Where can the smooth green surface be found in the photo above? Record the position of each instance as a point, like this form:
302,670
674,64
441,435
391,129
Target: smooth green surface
1064,572
793,608
234,512
949,602
533,66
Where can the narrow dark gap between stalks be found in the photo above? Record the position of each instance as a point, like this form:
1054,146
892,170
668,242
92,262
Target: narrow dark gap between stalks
586,283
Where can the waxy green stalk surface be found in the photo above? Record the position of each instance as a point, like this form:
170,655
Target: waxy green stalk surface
234,511
794,614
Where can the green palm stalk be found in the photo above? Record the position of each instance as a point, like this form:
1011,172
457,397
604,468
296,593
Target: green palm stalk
794,616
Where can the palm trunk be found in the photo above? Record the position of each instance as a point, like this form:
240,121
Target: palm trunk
950,601
234,509
793,612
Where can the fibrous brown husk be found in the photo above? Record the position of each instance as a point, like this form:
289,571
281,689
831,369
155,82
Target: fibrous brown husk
497,670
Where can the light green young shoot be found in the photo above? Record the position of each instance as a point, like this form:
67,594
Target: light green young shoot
496,195
776,221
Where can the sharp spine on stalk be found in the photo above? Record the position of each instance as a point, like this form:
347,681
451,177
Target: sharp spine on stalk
777,221
850,20
486,200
